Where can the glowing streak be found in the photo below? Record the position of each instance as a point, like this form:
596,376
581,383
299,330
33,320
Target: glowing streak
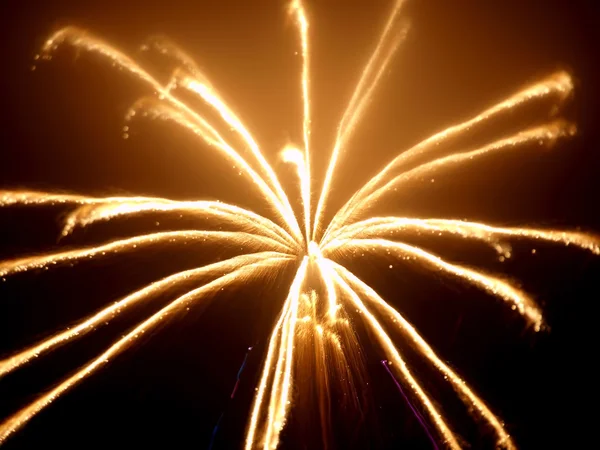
19,419
294,156
357,104
541,135
94,209
270,410
33,198
80,39
298,8
268,366
496,286
10,198
166,112
380,226
398,363
283,376
459,385
273,426
37,262
105,315
316,255
559,83
284,400
280,389
215,101
91,213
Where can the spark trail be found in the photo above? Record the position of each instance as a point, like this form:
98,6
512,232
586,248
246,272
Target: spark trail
313,337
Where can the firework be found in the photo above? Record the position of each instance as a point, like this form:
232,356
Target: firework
314,330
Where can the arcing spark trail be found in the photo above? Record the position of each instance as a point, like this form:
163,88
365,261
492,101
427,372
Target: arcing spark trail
314,327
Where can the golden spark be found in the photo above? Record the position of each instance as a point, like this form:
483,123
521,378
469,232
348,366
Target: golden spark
312,325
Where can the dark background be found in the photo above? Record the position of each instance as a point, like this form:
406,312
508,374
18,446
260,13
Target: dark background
61,130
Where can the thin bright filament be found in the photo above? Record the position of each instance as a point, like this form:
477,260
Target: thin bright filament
81,40
303,325
211,97
542,135
459,385
282,370
399,365
358,102
298,9
87,215
19,419
518,300
559,83
105,315
377,227
208,134
19,265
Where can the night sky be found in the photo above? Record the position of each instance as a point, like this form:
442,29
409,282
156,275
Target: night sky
61,130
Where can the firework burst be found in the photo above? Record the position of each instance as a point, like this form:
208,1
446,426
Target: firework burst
313,324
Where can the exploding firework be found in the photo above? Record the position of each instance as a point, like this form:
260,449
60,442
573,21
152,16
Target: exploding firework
314,327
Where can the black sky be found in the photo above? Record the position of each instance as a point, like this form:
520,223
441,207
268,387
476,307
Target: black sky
60,129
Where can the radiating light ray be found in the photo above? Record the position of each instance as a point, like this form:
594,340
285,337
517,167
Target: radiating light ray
19,419
19,265
278,406
264,379
377,227
518,300
329,329
358,101
459,385
210,96
208,134
315,255
94,209
280,399
297,8
78,330
273,426
33,198
10,198
80,39
199,85
542,135
399,364
366,80
92,213
559,83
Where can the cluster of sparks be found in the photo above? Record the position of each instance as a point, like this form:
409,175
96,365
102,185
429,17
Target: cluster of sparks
304,242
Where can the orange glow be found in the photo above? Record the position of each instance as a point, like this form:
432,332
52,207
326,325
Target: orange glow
314,326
